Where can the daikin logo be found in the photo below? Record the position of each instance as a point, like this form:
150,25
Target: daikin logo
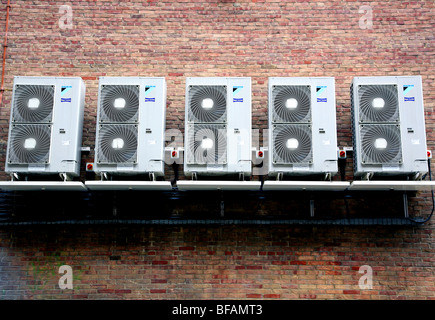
320,89
65,89
237,89
407,88
148,89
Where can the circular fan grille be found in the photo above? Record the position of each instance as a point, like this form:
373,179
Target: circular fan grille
389,151
207,144
378,103
33,103
300,108
214,110
117,144
292,144
29,144
119,103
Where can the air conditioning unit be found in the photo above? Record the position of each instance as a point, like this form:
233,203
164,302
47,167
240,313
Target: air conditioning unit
130,126
302,127
388,126
218,126
45,132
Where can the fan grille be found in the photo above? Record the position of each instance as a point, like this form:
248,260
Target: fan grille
292,144
216,112
119,103
207,144
29,144
297,111
378,103
391,151
33,103
117,144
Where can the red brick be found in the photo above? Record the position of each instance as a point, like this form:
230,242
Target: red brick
351,291
158,291
187,248
271,296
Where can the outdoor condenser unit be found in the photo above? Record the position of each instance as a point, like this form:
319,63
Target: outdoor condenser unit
46,123
302,126
130,126
388,126
218,126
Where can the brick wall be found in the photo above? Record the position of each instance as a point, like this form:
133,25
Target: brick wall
259,39
217,262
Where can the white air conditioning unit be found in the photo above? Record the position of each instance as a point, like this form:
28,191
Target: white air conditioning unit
130,126
218,126
46,124
302,126
388,126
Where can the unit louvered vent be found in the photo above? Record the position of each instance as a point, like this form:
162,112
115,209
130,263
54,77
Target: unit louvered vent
33,103
29,144
380,144
119,103
292,144
117,144
291,103
207,144
207,103
378,103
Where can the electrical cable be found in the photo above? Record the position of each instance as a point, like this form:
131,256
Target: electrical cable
423,221
342,167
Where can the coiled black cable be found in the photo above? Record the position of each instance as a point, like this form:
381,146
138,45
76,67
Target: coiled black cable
420,220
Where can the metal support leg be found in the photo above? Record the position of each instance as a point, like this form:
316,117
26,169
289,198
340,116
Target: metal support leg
405,205
312,208
222,204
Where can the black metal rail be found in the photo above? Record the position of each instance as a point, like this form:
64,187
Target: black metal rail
206,208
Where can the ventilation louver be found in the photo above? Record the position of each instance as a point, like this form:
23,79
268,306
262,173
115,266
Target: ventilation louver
378,103
291,103
119,103
207,144
33,103
380,144
292,144
117,144
29,144
207,103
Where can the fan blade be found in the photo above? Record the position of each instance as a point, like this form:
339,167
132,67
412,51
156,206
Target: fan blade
33,103
378,103
381,144
117,144
35,152
291,104
119,103
207,144
207,103
292,144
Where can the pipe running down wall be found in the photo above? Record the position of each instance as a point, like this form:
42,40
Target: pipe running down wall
5,45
